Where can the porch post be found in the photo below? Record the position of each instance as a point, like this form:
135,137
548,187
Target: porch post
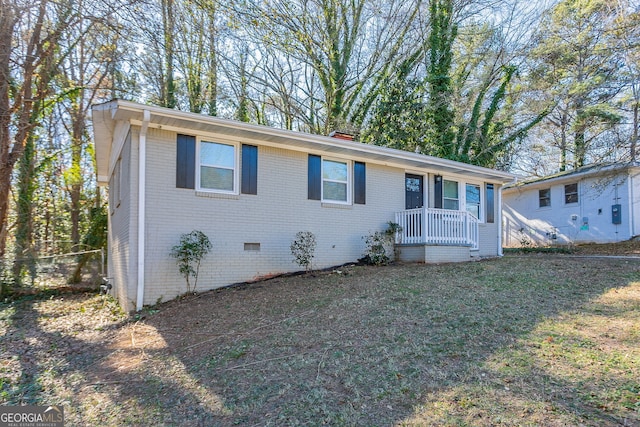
423,234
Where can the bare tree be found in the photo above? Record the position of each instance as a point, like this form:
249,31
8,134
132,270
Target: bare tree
345,46
26,71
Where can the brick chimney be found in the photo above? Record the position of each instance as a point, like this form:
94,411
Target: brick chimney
342,135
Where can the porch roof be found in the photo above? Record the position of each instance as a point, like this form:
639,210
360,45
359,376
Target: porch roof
106,116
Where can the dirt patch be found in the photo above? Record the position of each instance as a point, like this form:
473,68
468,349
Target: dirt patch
531,340
629,247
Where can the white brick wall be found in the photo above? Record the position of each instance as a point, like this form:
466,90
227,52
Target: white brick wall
270,218
488,238
122,261
434,254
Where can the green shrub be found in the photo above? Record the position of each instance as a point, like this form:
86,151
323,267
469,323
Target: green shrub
189,253
377,244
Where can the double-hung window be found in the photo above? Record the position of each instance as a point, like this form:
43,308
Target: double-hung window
217,167
571,193
335,181
472,199
451,199
115,186
544,197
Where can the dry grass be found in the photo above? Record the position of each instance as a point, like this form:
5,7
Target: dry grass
628,247
532,340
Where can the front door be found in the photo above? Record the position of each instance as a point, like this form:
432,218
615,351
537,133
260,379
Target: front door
414,195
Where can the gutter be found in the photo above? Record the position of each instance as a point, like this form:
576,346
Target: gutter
142,181
129,110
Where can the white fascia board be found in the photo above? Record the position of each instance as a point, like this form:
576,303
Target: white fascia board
571,177
263,135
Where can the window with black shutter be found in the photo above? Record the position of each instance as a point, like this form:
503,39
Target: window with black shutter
249,169
314,177
359,183
186,161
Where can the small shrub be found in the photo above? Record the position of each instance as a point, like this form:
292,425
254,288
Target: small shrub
393,228
377,244
303,248
189,253
525,239
376,254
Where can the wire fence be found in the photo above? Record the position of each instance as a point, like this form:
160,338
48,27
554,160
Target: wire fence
83,269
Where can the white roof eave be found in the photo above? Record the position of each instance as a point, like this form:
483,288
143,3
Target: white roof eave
164,118
545,182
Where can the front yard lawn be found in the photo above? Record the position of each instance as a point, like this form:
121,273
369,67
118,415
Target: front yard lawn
531,340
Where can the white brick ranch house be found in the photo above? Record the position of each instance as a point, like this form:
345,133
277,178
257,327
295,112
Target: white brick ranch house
251,188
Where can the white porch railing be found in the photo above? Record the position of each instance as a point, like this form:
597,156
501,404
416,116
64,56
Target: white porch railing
437,226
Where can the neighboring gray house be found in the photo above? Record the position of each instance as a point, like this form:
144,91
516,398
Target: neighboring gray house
252,188
597,203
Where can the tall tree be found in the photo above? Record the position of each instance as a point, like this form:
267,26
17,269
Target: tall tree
627,33
441,114
26,71
346,45
399,118
196,54
168,27
578,65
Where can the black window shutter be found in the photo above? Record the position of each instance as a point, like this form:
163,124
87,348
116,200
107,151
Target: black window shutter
490,203
314,177
249,180
186,162
359,183
437,192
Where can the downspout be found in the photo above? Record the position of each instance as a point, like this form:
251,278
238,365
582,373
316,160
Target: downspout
500,252
632,202
142,175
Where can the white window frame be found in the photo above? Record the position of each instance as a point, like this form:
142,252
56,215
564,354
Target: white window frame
115,186
539,199
577,193
462,195
236,166
481,202
460,183
349,181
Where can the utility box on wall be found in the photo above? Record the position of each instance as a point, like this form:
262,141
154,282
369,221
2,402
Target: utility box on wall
616,214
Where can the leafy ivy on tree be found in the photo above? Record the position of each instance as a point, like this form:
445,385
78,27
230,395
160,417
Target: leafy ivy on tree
441,113
399,118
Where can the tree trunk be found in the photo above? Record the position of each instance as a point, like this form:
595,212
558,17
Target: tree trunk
213,64
7,22
579,139
37,73
24,255
634,138
75,191
169,25
563,140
